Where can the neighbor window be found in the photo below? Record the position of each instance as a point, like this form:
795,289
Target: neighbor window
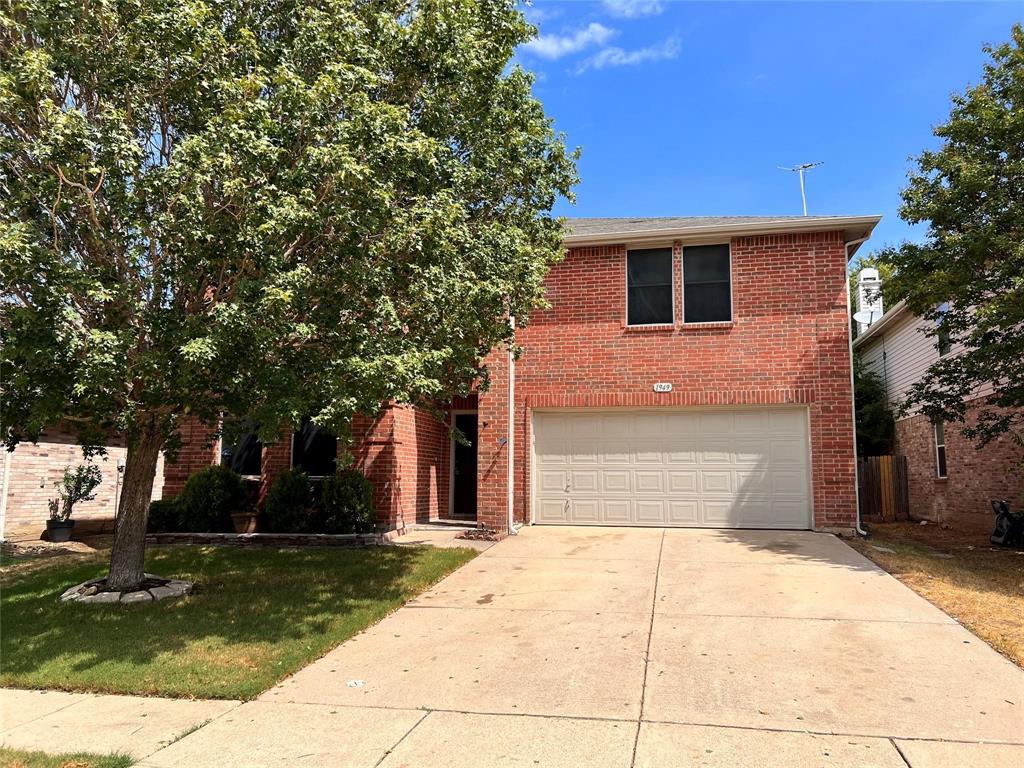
241,450
942,334
940,449
314,450
649,287
707,286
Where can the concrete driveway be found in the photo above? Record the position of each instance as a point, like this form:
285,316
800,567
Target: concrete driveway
642,647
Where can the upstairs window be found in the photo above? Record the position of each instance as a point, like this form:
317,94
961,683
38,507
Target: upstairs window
314,450
940,450
241,450
942,334
707,284
649,287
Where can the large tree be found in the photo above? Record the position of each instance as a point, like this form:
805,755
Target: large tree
967,275
274,208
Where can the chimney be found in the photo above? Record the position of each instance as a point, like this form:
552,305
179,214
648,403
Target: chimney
869,298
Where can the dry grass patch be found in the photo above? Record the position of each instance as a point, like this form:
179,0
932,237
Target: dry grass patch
16,758
980,586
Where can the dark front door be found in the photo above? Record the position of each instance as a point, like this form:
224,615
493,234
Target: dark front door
464,465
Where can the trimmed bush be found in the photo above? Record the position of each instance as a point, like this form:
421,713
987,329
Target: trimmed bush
164,516
290,505
346,502
209,498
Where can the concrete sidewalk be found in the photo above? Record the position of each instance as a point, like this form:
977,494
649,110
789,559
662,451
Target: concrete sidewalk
618,648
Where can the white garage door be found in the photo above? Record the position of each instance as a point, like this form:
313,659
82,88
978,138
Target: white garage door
743,468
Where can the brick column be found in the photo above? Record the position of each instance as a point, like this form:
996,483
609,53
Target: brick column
198,449
492,446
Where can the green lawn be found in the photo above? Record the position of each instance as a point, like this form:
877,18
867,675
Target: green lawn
15,758
259,615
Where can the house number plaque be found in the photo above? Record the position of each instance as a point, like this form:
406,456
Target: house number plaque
662,386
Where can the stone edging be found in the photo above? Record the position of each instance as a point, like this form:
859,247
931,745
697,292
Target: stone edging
272,539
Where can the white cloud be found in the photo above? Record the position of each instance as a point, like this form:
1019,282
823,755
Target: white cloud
618,57
557,46
631,9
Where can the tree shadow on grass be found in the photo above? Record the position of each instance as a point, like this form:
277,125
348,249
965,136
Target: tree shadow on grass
257,616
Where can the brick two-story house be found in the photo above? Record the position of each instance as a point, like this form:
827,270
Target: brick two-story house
688,372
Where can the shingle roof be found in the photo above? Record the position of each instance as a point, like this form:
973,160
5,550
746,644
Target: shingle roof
578,227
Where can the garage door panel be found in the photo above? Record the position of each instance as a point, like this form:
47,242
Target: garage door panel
585,510
682,481
584,481
715,468
715,453
651,511
552,481
617,452
787,452
717,481
649,481
617,481
684,512
618,511
552,511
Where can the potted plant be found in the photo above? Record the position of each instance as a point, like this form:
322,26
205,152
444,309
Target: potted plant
76,485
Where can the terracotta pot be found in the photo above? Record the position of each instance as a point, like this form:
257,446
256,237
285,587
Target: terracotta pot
244,522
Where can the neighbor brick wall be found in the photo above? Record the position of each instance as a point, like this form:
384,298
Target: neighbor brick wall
974,476
787,343
36,467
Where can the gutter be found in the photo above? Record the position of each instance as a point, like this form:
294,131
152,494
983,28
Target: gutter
853,403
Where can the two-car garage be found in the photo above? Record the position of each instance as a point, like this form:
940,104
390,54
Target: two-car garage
718,468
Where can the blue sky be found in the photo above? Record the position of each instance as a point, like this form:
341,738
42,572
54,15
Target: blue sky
688,108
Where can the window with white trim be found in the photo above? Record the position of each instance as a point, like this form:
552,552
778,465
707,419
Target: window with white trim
940,449
649,287
707,284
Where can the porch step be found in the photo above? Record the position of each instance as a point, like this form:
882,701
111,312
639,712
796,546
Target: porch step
443,525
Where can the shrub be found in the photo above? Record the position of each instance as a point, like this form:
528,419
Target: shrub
347,503
209,498
290,504
164,516
78,484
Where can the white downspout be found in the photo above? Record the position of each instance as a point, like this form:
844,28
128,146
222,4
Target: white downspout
8,457
511,445
853,406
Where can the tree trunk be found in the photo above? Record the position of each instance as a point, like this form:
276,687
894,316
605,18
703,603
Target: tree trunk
128,556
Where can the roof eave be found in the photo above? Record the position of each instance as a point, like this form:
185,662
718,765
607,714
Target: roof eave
853,227
878,327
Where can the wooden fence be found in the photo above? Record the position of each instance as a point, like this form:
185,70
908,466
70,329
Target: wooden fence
883,488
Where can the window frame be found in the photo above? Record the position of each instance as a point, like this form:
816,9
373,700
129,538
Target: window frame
220,454
682,284
671,282
291,454
941,460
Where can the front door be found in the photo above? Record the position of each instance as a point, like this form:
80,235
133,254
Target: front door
464,468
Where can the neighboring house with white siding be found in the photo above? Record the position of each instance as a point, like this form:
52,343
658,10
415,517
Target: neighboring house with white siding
949,479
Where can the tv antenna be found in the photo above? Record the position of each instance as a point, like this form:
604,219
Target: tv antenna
802,169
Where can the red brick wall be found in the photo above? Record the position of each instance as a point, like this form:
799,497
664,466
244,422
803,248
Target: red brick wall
402,451
199,449
32,470
974,476
787,343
